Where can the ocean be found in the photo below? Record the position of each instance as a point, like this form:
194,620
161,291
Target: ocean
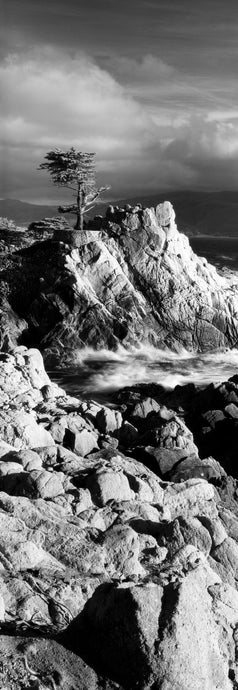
222,252
98,375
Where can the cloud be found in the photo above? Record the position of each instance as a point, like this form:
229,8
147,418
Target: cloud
208,151
52,101
151,127
202,139
136,72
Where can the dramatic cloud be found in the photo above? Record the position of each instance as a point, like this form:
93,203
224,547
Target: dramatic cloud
152,126
57,101
208,150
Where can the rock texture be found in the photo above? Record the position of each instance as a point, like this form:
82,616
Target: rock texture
133,278
118,569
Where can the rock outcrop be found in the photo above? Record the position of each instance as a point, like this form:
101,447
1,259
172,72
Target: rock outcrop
132,278
112,576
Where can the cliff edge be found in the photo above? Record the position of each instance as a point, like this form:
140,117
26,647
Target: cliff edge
132,278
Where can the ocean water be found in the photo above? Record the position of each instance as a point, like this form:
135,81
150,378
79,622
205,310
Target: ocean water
222,252
98,374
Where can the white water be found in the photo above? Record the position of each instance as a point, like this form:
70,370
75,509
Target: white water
97,374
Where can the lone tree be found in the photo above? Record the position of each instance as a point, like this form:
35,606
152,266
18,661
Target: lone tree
76,171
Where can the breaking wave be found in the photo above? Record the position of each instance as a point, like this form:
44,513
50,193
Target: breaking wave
98,374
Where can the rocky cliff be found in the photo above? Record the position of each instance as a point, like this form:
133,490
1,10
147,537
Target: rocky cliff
132,278
114,573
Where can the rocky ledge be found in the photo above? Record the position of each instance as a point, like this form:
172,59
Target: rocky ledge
132,277
118,540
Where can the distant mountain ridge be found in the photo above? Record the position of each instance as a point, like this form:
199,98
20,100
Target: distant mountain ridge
23,212
198,213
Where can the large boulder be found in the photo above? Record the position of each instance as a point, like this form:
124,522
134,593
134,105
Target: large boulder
157,648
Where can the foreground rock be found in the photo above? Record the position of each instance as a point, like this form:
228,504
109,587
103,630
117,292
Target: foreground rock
133,262
110,576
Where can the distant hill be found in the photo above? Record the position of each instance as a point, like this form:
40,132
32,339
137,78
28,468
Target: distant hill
197,213
23,213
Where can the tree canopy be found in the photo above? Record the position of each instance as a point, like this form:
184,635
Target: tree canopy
74,170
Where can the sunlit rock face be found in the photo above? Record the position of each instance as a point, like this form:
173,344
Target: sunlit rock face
132,278
117,578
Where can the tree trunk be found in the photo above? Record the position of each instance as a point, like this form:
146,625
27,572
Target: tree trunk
79,221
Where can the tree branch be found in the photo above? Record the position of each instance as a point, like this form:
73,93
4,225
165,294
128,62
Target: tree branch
85,209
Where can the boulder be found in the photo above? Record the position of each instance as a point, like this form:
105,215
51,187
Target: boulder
47,484
108,420
123,547
106,485
128,434
145,408
190,498
21,430
126,652
81,441
28,460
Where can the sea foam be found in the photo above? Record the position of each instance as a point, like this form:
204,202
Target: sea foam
95,372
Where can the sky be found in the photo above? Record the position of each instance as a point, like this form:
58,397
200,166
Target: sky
150,85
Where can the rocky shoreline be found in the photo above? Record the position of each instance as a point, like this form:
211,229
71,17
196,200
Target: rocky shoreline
119,537
119,524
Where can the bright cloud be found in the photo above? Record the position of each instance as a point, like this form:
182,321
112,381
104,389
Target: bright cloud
145,132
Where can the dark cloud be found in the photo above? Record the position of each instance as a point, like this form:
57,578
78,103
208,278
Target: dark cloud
150,85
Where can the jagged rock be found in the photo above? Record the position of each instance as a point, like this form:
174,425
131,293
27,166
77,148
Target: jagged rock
213,419
11,326
193,466
166,460
177,664
231,410
145,408
190,497
172,434
138,264
21,430
82,441
126,652
89,410
128,434
84,501
108,420
75,432
167,444
156,650
132,572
